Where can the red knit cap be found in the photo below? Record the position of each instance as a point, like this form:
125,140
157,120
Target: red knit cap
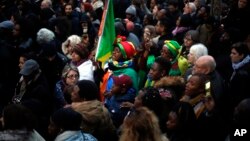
127,48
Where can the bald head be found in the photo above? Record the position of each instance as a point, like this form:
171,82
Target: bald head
204,65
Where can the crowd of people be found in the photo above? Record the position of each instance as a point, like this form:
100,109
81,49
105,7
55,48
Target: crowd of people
179,71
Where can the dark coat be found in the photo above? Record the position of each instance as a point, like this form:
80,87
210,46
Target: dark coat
240,84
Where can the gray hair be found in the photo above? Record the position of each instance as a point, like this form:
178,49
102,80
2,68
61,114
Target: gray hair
198,50
67,68
44,35
192,6
48,2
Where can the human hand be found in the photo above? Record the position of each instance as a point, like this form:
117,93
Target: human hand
126,105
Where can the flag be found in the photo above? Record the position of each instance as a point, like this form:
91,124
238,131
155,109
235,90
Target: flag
106,34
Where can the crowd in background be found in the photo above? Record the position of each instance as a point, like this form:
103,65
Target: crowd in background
179,71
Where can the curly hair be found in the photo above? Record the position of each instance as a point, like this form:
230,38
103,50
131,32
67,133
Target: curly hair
141,125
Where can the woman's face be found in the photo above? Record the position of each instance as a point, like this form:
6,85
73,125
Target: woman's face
165,53
74,94
191,57
72,77
146,34
172,120
188,42
21,62
138,99
155,10
75,57
235,56
193,86
116,55
155,73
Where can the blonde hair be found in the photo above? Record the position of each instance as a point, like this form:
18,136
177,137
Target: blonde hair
72,40
141,125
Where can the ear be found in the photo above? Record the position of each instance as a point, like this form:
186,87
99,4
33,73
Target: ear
207,70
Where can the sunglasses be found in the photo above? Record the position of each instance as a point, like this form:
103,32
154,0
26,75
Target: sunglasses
73,76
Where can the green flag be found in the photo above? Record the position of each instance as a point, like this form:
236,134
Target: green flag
106,33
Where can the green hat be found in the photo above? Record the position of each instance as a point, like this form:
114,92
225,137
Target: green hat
173,47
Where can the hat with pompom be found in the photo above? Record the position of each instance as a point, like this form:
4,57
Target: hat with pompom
173,47
127,48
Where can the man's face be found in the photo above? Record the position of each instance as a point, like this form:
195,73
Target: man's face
68,9
200,67
242,4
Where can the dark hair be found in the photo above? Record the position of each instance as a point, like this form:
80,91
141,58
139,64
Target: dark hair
82,50
152,100
241,48
67,119
242,113
49,49
17,116
185,20
167,23
185,115
88,90
163,64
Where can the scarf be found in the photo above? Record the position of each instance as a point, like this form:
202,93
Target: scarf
239,65
179,30
115,65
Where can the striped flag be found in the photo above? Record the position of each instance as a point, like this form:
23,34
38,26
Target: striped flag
106,33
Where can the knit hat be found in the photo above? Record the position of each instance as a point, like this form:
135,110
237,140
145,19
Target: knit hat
127,48
82,50
173,47
123,81
131,10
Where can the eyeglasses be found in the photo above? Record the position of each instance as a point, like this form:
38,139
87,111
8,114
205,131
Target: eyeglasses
76,76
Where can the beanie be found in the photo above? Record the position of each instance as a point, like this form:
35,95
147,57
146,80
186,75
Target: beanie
127,48
173,47
131,10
